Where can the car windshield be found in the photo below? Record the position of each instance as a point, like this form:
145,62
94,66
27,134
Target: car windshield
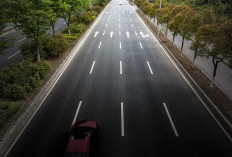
84,129
75,155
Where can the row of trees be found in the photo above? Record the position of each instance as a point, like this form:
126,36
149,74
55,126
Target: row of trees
210,37
35,17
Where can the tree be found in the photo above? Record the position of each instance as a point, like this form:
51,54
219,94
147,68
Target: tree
176,20
3,19
58,8
216,41
155,7
72,9
164,16
205,17
32,17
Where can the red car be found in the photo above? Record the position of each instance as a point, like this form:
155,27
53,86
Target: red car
83,135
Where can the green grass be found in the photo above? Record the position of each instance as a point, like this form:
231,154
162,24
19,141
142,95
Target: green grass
7,110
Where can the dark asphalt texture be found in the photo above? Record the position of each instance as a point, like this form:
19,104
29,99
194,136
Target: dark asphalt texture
148,130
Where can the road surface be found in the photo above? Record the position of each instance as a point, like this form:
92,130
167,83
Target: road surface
123,79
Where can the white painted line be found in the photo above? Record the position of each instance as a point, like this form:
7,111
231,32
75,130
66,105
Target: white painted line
141,45
99,45
111,34
128,34
149,67
104,33
14,54
170,119
132,25
21,40
136,33
119,20
119,33
121,67
122,120
120,45
203,103
73,54
92,67
96,33
130,20
106,25
119,25
75,117
108,19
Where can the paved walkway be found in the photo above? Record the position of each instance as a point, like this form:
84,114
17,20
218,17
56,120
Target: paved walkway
224,73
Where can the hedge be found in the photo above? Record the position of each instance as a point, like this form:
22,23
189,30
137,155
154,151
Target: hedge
19,80
7,110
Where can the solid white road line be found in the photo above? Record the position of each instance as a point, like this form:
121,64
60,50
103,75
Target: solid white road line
103,33
21,40
132,25
14,54
75,117
99,45
122,120
121,67
120,45
141,45
106,25
92,67
149,67
170,119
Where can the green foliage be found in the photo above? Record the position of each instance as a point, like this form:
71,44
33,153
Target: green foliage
3,16
80,28
87,17
7,110
55,45
18,80
70,38
32,17
97,8
6,42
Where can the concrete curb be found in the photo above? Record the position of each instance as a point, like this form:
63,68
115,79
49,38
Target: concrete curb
11,136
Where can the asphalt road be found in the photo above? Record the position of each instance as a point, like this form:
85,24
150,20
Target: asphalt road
123,79
13,54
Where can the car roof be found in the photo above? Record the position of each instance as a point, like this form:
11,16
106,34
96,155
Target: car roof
86,123
78,143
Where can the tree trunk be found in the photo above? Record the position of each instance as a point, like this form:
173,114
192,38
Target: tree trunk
37,52
166,31
215,64
182,45
53,28
194,59
173,39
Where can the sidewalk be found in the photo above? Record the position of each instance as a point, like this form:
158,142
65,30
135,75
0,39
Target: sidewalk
223,77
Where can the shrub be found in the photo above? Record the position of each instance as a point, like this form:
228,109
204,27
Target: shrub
78,29
85,18
7,110
71,38
19,80
55,45
28,48
95,8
